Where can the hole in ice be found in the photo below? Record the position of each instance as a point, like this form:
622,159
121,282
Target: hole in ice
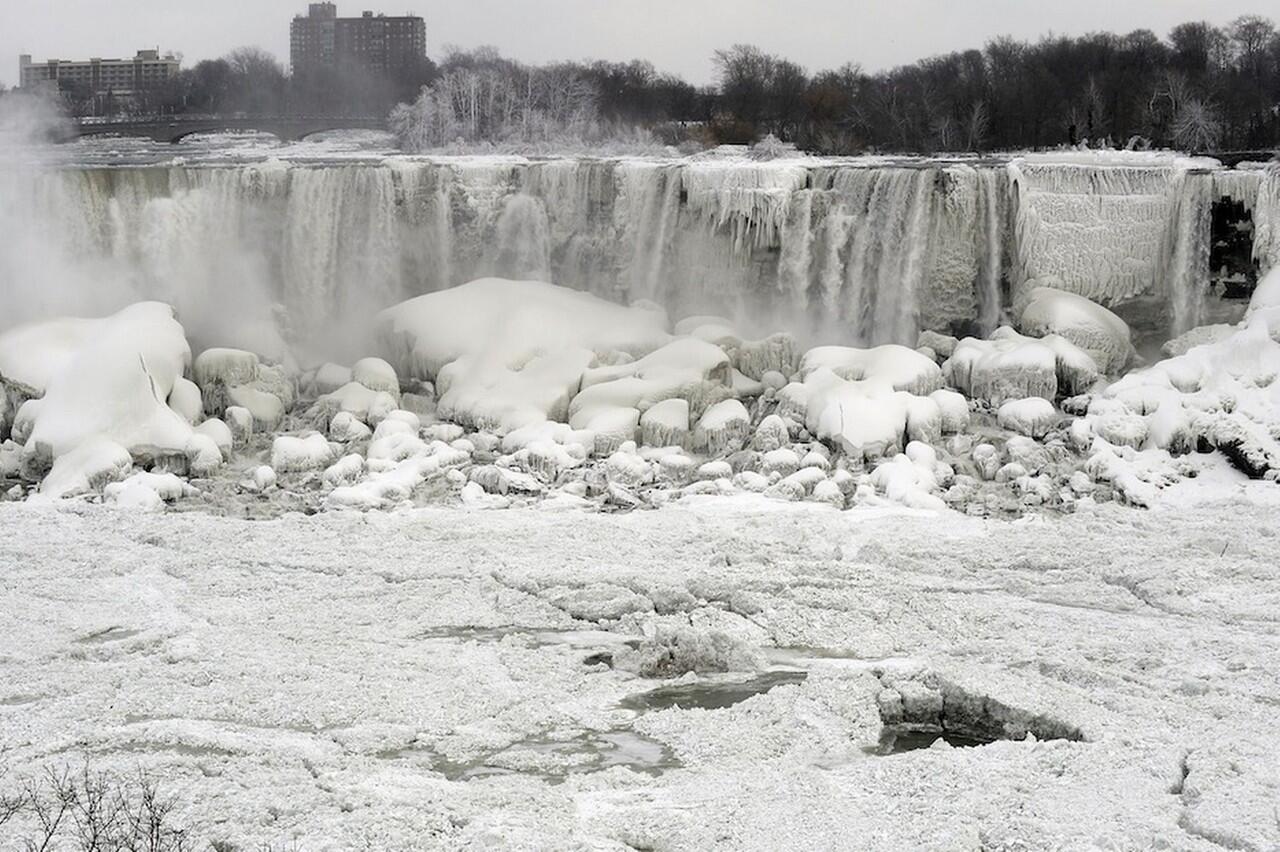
933,704
709,695
896,739
110,634
537,637
554,757
18,700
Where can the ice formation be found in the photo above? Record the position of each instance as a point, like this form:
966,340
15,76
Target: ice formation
272,256
801,285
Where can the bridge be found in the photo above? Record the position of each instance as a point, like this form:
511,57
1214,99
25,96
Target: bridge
174,129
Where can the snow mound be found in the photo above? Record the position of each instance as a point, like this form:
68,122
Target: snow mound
109,394
1093,328
508,322
506,354
902,368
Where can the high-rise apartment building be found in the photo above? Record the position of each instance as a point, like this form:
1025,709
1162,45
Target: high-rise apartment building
378,43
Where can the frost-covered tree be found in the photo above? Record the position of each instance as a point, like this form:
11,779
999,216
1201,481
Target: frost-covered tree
1196,126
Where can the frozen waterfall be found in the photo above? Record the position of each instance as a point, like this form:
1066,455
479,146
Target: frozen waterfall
858,251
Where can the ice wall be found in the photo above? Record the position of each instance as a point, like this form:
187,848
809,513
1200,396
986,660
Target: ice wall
836,251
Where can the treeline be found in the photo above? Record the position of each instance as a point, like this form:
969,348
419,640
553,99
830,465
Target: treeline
1204,88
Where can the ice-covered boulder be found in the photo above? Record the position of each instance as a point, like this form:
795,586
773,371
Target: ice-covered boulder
147,492
901,368
686,368
1033,416
1011,366
508,322
771,434
666,424
294,455
185,399
240,421
267,410
377,375
218,432
1093,328
866,419
346,428
777,353
86,467
347,470
724,427
203,455
910,478
111,390
328,377
231,367
954,409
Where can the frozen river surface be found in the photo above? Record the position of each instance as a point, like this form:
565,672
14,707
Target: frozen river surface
448,679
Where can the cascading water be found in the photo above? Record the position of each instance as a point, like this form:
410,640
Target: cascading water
855,252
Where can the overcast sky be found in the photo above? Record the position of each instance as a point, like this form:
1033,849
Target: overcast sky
676,35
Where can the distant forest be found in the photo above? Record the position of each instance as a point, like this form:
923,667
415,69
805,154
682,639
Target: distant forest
1202,88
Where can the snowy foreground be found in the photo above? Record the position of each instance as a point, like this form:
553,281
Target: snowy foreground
438,678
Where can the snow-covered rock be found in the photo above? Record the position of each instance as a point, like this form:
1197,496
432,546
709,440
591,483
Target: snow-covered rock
109,388
377,375
902,368
295,455
666,424
1093,328
723,428
1033,416
220,433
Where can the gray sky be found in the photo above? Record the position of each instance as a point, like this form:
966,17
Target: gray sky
676,35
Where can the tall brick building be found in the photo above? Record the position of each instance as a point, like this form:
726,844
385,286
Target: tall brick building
377,43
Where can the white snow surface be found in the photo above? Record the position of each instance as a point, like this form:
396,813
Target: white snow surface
409,693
